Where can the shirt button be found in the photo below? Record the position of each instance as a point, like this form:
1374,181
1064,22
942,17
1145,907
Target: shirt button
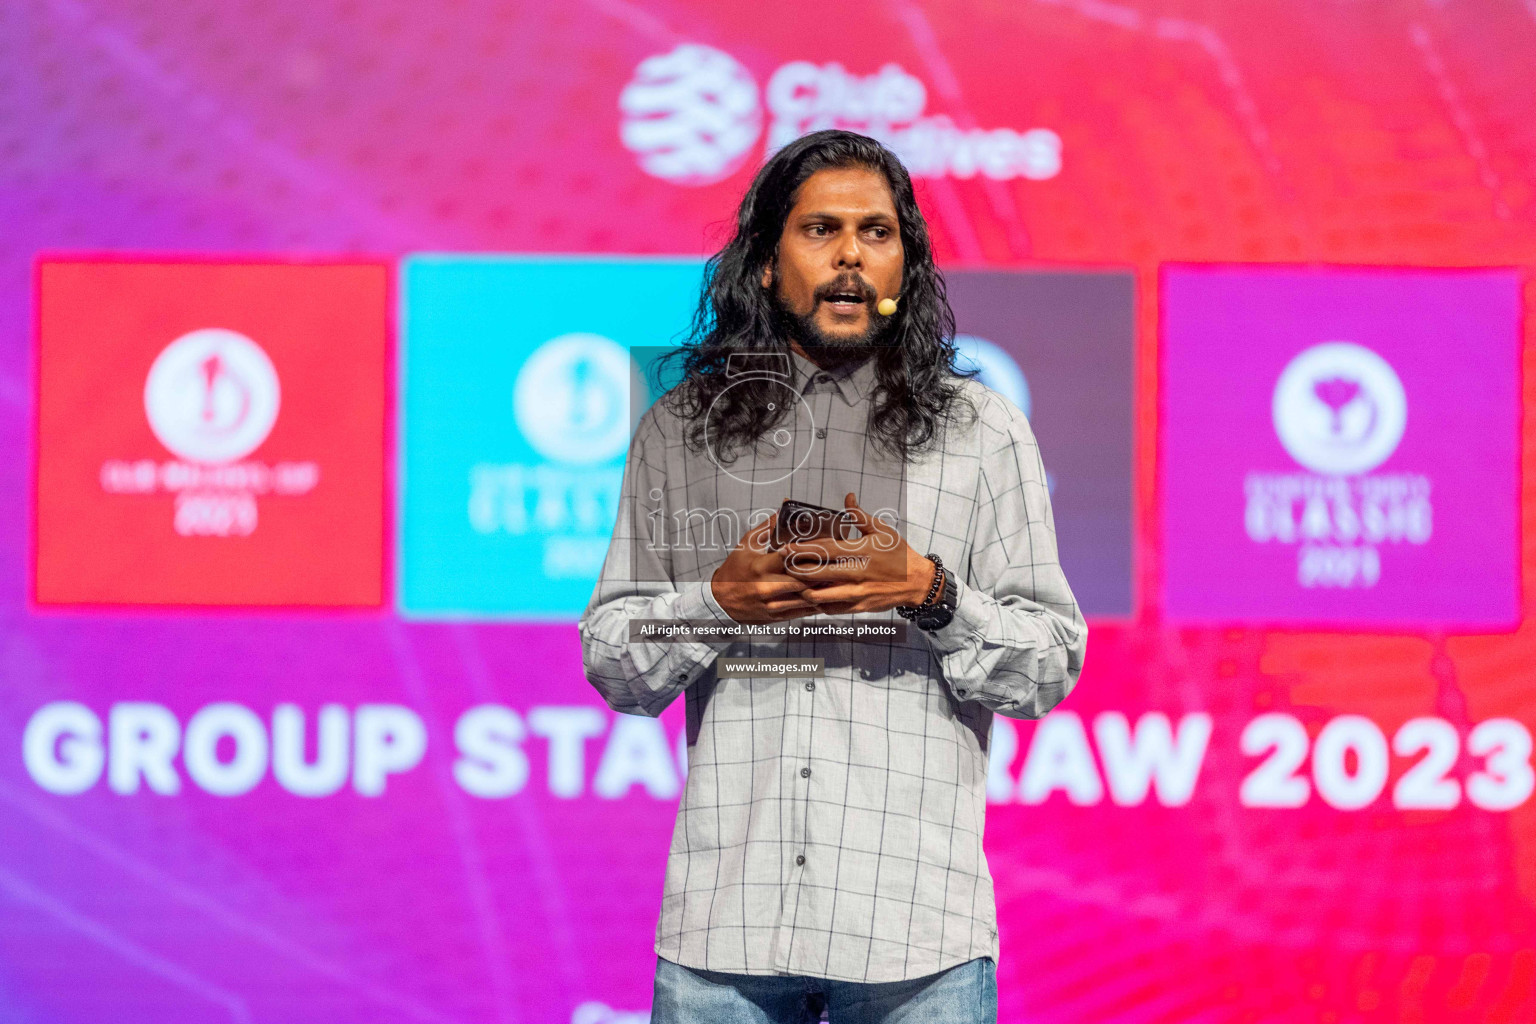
960,692
805,773
811,685
800,860
821,431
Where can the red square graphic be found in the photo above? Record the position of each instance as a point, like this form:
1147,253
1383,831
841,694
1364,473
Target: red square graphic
210,434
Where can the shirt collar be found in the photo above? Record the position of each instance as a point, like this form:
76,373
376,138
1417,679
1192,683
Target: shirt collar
854,383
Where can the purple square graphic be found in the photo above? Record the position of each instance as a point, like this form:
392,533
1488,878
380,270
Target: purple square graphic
1340,447
1065,341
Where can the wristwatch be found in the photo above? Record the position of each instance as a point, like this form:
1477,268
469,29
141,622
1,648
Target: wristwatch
931,614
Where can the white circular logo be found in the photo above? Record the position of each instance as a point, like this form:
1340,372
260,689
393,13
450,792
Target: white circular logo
691,115
998,369
571,399
1339,408
212,396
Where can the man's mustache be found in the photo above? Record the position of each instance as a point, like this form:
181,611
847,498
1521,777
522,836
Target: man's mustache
846,285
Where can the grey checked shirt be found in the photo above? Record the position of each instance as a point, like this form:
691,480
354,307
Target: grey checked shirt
832,827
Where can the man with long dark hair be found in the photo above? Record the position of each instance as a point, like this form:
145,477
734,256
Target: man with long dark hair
827,853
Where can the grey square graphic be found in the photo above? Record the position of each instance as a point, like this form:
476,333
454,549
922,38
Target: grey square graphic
1072,334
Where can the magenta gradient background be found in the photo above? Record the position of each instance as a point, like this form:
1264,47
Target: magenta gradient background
1396,133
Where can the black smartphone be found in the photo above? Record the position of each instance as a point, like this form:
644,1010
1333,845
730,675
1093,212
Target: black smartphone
799,520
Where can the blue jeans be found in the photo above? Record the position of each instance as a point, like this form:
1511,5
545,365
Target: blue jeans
966,994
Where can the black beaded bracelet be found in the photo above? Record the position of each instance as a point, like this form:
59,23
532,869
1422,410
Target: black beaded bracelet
938,578
907,611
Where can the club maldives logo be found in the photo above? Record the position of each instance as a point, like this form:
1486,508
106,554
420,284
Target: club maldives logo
692,116
1340,411
211,397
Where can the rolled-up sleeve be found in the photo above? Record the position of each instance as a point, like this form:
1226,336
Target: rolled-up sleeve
641,677
1017,639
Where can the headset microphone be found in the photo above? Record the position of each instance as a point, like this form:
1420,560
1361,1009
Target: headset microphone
886,307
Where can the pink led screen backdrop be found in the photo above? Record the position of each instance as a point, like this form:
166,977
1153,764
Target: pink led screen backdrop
1264,802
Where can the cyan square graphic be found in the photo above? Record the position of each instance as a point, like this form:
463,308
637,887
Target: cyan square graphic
515,385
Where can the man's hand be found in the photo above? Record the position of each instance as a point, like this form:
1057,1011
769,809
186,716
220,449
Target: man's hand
752,586
870,573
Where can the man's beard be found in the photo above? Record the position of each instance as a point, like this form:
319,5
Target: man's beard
826,350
